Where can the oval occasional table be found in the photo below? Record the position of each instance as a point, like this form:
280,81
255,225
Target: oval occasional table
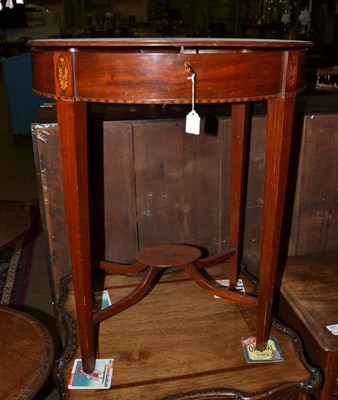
26,355
173,71
14,223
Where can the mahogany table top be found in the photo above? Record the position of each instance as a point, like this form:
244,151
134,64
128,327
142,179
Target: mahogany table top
173,42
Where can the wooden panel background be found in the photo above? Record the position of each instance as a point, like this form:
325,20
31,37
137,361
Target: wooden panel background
153,183
119,193
48,166
316,207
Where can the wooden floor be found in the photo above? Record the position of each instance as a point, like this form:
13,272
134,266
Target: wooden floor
181,339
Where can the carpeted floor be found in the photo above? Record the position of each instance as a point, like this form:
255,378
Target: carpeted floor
18,183
16,261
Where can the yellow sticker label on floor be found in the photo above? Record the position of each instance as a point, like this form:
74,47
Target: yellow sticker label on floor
272,352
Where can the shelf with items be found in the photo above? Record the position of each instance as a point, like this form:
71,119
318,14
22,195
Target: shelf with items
285,19
230,13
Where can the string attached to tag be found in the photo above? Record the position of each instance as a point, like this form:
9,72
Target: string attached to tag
193,120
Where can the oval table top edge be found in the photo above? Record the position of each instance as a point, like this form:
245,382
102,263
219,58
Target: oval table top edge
169,42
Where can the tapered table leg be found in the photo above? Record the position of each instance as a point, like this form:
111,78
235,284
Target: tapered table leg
238,184
72,119
278,142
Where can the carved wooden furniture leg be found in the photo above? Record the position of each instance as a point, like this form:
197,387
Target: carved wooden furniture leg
238,183
157,258
73,147
73,142
153,260
278,141
141,290
212,287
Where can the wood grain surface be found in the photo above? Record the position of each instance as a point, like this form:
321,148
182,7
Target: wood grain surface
26,355
180,339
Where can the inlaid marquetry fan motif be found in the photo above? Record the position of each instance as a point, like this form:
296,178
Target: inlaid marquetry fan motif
62,71
293,67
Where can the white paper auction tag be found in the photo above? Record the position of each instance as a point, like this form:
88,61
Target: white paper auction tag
193,120
192,123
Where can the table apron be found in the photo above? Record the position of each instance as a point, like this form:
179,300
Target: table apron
162,77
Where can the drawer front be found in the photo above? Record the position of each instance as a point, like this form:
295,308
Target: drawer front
43,72
158,78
